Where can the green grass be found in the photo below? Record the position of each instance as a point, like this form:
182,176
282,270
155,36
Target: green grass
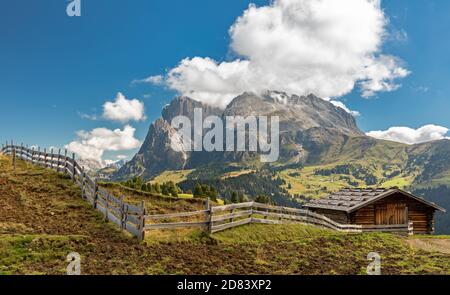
31,254
175,176
305,181
305,249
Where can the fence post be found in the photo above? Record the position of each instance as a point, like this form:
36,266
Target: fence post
39,156
32,156
73,167
142,222
51,158
59,159
94,202
45,157
107,207
83,179
27,152
14,159
123,213
410,228
208,216
12,148
65,161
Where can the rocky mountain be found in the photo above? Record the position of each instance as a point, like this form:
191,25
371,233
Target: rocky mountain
308,124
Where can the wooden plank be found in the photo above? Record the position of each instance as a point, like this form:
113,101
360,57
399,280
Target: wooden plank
269,214
132,229
266,221
133,218
115,201
386,230
69,171
102,202
217,228
216,218
69,164
266,206
115,219
385,226
103,193
134,209
295,210
174,215
89,196
77,171
116,211
89,189
175,225
90,181
101,208
232,206
77,166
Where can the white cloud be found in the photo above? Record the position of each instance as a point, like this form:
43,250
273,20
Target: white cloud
123,109
156,80
92,117
91,145
325,47
411,136
423,89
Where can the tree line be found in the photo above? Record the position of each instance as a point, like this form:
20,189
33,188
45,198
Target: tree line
198,190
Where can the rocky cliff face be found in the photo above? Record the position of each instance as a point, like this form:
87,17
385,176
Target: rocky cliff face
308,125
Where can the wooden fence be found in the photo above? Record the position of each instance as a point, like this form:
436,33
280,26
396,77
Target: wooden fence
133,218
219,218
224,217
127,216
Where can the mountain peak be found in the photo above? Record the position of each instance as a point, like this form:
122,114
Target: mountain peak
307,124
303,112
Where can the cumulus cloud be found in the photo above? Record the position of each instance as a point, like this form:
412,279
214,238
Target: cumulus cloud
411,136
123,109
91,145
325,47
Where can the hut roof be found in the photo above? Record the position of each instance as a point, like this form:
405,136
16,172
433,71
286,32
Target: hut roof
351,199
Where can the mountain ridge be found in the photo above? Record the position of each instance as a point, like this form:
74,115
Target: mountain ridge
307,119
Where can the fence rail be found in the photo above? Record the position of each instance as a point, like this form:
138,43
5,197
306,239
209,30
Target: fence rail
127,216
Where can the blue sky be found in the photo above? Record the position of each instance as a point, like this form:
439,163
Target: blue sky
54,68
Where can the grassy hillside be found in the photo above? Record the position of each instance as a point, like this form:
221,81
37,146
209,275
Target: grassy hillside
175,176
42,219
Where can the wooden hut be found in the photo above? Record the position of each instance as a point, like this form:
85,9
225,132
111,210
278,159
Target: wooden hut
378,207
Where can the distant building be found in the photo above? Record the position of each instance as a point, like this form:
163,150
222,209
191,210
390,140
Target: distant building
377,207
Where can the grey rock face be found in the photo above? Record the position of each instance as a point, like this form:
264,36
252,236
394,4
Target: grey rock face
308,125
